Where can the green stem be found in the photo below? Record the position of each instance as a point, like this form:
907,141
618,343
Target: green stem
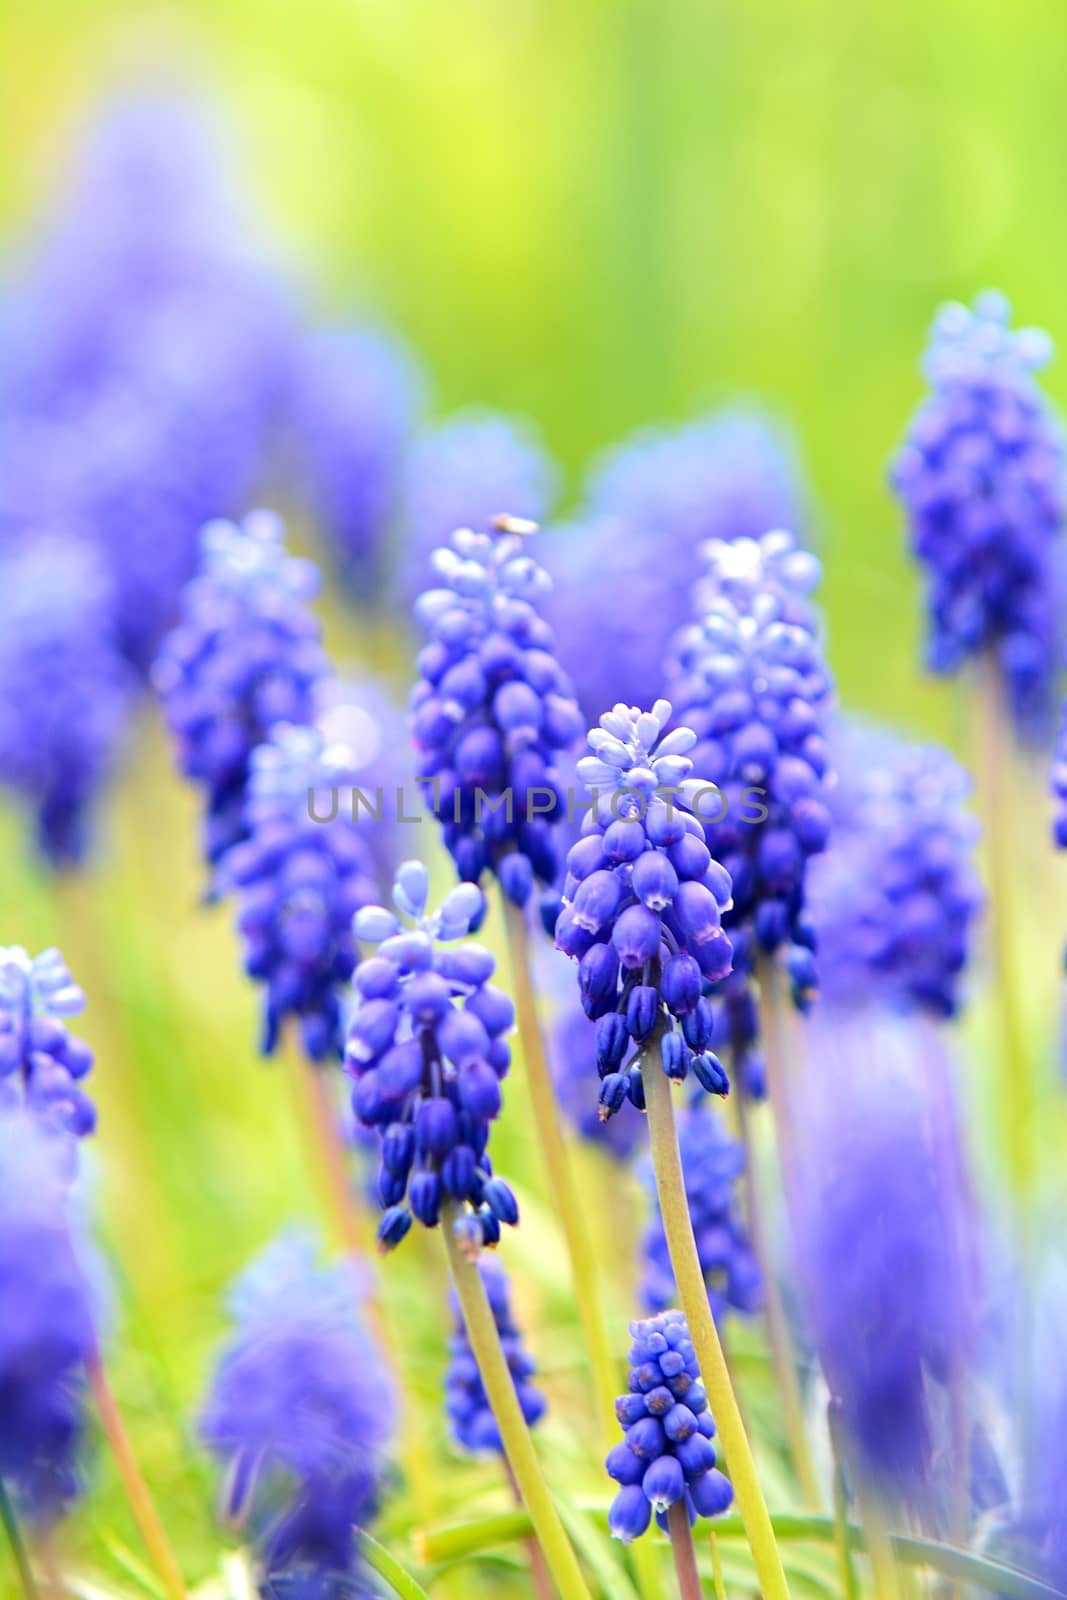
849,1583
500,1391
684,1552
716,1568
388,1567
678,1228
18,1548
565,1198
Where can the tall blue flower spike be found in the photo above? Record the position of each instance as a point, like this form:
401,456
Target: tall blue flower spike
568,1054
666,1454
466,1402
301,1412
300,875
65,692
427,1047
47,1328
356,396
712,1163
491,710
982,476
750,678
42,1064
895,900
470,468
246,657
643,905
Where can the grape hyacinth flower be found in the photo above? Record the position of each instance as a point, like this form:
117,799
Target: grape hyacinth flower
428,1067
301,1412
299,876
47,1332
712,1162
42,1064
355,399
471,468
895,899
246,657
666,1455
65,693
982,476
643,905
466,1402
750,679
568,1051
491,710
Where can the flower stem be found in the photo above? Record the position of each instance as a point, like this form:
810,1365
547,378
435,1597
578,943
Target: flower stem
18,1548
500,1390
846,1565
716,1568
542,1578
137,1491
682,1548
678,1227
561,1178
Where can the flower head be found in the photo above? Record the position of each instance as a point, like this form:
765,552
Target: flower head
712,1162
982,476
491,710
301,1412
895,898
666,1455
42,1064
427,1046
466,1401
643,905
246,656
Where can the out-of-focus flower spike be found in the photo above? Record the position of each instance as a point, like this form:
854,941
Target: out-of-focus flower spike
466,1403
42,1064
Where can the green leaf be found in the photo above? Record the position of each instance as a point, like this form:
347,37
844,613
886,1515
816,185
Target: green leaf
388,1567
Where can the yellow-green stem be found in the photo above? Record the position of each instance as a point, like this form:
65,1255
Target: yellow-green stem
565,1198
18,1548
684,1552
716,1569
678,1227
136,1489
514,1433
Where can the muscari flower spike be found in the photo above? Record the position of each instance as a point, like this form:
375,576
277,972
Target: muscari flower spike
246,656
751,680
466,1402
982,476
568,1053
643,905
427,1047
895,899
47,1329
491,710
300,875
301,1413
666,1455
712,1163
42,1064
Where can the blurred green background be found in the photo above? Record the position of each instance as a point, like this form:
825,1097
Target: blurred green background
601,213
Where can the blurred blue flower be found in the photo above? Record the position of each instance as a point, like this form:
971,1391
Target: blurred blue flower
895,898
466,1402
568,1053
65,693
301,1412
42,1064
982,476
491,710
666,1455
427,1068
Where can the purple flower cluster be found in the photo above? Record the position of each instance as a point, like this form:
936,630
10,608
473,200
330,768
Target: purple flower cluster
245,657
643,905
712,1162
42,1064
750,679
568,1051
491,710
666,1455
982,476
46,1329
466,1401
427,1067
895,899
65,692
301,1411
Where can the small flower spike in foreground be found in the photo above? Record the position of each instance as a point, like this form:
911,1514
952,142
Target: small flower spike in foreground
42,1064
427,1048
643,905
466,1401
492,709
301,1412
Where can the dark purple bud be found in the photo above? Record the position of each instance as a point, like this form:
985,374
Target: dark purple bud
494,1008
699,1026
586,856
711,1074
642,1009
690,857
501,1202
596,899
630,1514
457,1171
598,975
716,957
664,823
490,1227
711,1493
391,1186
564,724
630,1408
462,1036
470,858
470,964
676,1056
681,984
659,1401
436,1127
427,996
516,705
424,1198
721,884
480,760
646,1438
479,1089
697,912
679,1423
623,840
516,877
393,1227
614,1088
548,909
570,938
398,1148
664,1483
636,936
368,1103
612,1040
781,860
399,1071
637,1089
655,881
623,1465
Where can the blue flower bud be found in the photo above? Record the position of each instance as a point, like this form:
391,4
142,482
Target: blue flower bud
436,1127
596,899
676,1056
664,1482
479,1089
630,1514
614,1089
637,1089
636,936
681,984
494,1008
630,1408
622,840
646,1438
398,1148
393,1227
623,1465
424,1198
699,1026
462,1036
612,1040
373,924
516,876
712,1494
391,1187
598,973
695,1454
588,855
642,1011
710,1073
654,880
501,1201
697,912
